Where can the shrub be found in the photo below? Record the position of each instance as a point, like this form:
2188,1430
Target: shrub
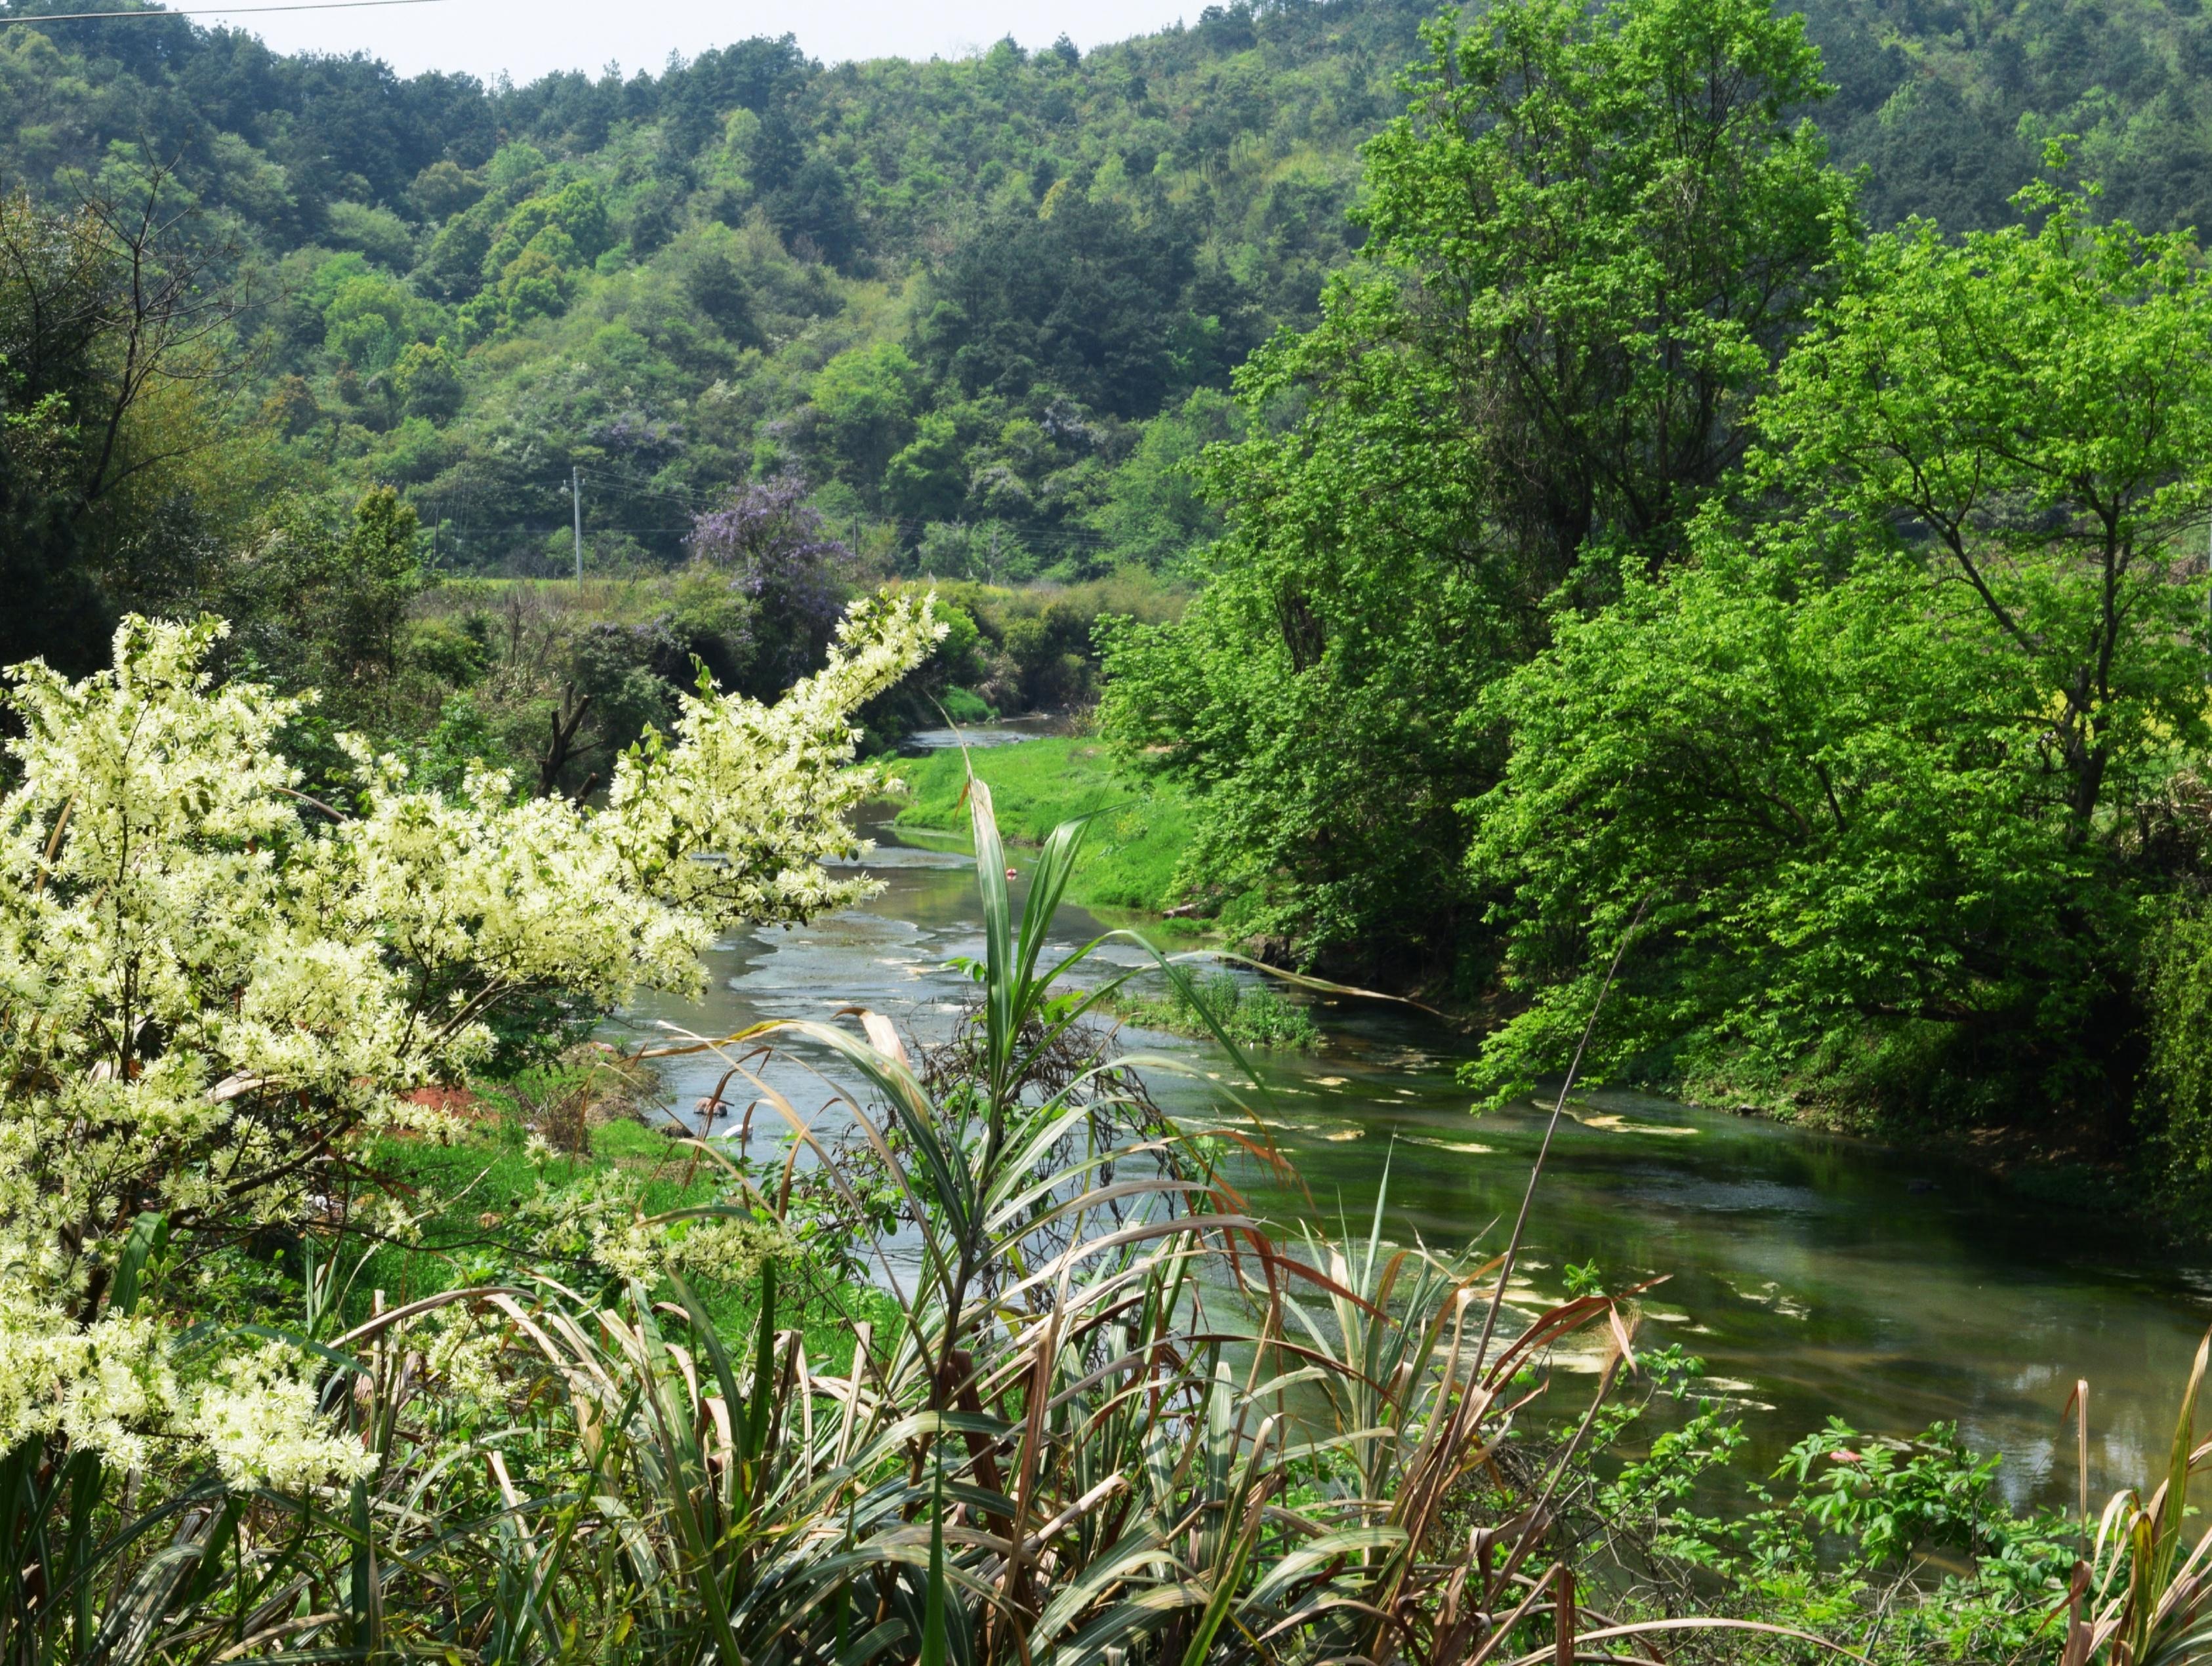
1251,1014
218,990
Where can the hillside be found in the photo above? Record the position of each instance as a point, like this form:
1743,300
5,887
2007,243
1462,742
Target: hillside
985,306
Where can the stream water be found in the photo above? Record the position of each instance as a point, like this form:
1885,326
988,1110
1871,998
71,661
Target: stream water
1816,1276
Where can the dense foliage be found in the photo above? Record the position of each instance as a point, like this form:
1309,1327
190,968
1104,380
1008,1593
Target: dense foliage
121,483
1003,293
1636,549
976,294
1589,241
1898,757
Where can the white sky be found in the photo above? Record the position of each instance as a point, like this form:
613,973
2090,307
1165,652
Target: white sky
529,38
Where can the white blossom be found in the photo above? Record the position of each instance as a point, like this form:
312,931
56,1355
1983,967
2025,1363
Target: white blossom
212,991
466,1358
728,1246
258,1420
601,1218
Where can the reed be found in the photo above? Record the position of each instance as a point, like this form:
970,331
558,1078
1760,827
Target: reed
2141,1596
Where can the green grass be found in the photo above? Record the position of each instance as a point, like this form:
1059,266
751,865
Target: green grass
1251,1014
1135,841
475,1186
964,706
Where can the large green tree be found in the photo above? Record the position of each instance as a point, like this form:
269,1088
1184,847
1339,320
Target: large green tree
119,480
1891,767
1590,240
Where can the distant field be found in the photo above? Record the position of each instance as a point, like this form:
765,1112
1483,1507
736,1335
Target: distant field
458,593
1130,853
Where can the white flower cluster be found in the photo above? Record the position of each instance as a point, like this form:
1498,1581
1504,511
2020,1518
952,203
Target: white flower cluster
210,989
729,1247
733,820
257,1418
106,1385
596,1218
465,1357
601,1218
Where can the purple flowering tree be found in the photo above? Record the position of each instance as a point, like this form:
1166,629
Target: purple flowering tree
779,556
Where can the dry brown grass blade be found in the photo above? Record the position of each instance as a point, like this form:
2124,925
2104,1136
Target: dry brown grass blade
391,1316
1645,1628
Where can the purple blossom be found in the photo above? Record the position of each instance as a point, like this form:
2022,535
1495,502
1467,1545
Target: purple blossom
777,552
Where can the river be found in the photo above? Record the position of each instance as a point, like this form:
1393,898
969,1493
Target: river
1817,1276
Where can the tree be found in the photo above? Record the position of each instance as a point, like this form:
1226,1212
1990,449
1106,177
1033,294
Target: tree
816,214
782,562
1156,512
217,992
429,382
1589,239
927,478
321,603
1893,765
1606,226
864,401
112,343
2027,409
1081,294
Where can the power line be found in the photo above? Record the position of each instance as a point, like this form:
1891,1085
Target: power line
212,11
632,486
495,529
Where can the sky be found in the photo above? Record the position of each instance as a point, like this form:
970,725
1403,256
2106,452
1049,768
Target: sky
531,38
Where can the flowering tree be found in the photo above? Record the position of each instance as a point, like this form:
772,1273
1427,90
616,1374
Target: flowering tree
213,990
783,560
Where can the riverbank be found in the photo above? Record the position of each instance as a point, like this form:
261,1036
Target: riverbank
541,1166
2042,1163
1134,846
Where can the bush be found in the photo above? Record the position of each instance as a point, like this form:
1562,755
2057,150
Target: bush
1251,1014
963,707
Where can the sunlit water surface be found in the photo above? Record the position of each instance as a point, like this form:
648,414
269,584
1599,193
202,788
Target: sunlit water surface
1816,1276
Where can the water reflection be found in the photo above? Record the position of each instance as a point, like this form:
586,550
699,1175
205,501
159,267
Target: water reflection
1002,731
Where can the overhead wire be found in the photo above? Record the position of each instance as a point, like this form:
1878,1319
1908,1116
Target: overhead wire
209,11
1064,540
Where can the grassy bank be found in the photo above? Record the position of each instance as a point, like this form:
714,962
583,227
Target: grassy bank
503,1193
1138,834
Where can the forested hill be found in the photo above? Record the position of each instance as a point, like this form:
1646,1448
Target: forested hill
984,306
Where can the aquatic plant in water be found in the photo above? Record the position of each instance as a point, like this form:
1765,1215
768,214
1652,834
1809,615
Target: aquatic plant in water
1251,1014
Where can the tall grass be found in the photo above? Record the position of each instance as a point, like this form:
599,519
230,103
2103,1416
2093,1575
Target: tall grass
1110,1418
2141,1596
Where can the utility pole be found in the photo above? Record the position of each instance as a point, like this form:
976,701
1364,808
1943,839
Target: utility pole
576,502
